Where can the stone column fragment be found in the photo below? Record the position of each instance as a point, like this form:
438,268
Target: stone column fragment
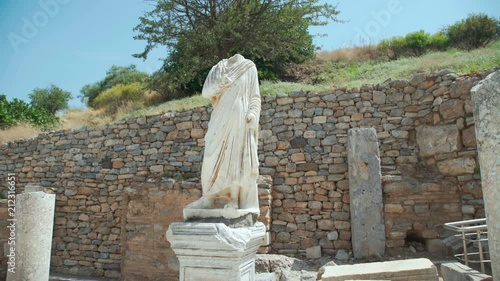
34,225
365,191
486,102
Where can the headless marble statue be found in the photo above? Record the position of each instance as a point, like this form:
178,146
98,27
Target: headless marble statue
230,164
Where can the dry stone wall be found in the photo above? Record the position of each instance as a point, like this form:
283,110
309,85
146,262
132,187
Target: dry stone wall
428,159
428,156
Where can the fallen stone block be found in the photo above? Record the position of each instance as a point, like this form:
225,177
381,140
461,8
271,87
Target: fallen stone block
265,277
313,252
402,270
455,271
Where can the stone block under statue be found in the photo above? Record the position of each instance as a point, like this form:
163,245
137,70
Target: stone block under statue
215,251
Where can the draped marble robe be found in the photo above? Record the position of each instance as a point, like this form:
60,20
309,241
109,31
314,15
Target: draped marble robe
230,164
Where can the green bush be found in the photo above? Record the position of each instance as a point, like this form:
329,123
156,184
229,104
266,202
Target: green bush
416,42
117,96
51,98
393,48
439,42
114,76
476,31
17,111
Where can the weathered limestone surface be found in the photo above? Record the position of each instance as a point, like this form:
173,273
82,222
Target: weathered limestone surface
457,166
35,220
213,251
455,271
437,139
365,190
413,269
486,103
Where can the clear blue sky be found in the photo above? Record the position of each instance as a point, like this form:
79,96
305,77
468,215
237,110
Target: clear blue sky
71,43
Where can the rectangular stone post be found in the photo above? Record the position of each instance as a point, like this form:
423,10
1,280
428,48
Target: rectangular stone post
33,228
365,192
486,102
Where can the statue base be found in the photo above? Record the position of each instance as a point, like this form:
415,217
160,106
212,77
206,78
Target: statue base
233,218
214,251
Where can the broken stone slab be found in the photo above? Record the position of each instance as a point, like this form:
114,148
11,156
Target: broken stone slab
214,251
265,277
313,252
365,190
412,269
342,255
436,246
455,271
455,245
230,217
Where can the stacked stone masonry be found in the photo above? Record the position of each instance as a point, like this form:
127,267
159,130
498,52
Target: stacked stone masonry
115,195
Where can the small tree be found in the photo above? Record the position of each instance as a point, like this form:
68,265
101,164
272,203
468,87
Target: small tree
114,76
439,42
199,33
417,42
476,31
51,98
393,48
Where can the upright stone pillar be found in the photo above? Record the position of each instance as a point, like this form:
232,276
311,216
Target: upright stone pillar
34,224
365,191
486,102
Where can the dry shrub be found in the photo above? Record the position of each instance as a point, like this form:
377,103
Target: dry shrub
126,108
358,53
152,98
84,117
20,131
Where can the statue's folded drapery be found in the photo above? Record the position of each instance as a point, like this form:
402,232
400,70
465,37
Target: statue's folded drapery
230,158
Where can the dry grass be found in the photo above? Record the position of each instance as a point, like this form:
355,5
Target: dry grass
71,119
90,117
20,131
173,105
83,117
152,97
358,53
341,74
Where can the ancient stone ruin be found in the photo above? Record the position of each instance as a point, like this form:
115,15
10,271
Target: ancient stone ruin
120,186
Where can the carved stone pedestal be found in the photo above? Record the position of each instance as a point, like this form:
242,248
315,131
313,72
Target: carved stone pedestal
214,251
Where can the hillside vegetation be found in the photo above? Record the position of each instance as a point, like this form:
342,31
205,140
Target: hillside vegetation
323,73
286,62
348,67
